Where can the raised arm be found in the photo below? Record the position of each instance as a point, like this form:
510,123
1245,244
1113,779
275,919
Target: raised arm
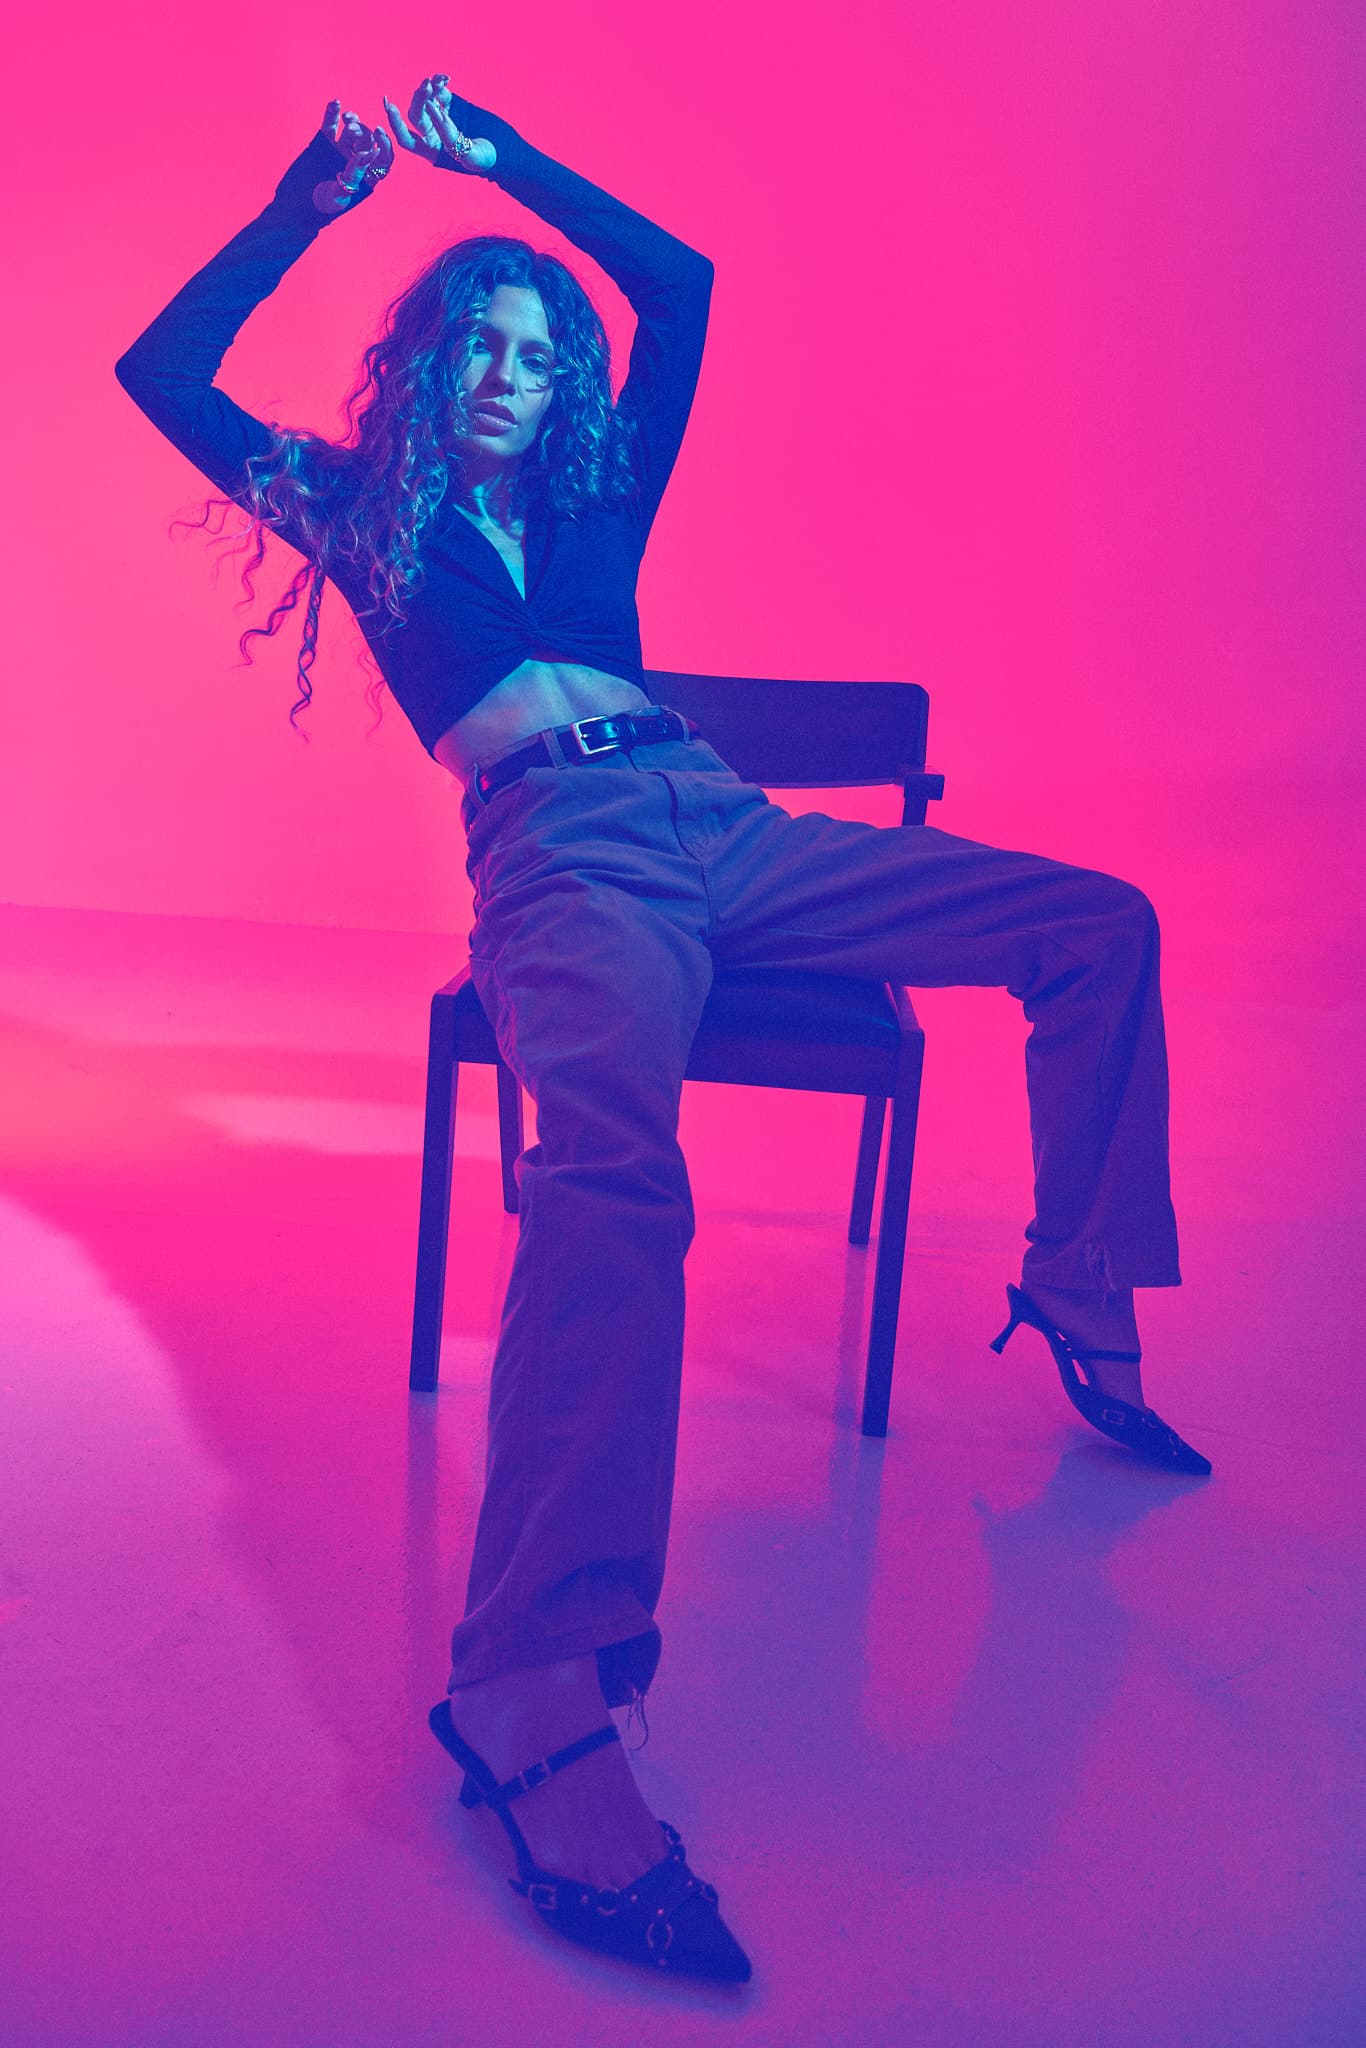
169,370
667,283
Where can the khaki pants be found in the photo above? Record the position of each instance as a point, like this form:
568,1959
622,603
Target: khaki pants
604,893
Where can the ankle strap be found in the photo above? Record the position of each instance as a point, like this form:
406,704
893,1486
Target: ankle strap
536,1774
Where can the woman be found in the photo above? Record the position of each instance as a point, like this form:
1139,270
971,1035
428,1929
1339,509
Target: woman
490,520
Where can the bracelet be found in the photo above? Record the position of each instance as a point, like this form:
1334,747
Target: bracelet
371,175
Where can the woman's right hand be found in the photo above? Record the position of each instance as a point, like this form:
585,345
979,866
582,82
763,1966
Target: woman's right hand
433,133
367,150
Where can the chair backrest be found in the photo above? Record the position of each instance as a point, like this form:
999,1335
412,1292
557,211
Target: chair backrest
808,735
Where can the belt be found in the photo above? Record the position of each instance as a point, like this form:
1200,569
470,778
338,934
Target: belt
563,746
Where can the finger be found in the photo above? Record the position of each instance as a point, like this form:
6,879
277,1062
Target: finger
412,127
424,99
402,132
328,125
427,127
454,138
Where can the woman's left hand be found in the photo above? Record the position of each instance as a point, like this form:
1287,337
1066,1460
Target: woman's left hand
369,157
433,133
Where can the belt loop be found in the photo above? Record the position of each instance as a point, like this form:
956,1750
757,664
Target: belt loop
553,747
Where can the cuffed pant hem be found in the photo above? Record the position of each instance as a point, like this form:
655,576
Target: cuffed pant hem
1093,1271
626,1665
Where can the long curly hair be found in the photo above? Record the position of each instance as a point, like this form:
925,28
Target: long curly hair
370,498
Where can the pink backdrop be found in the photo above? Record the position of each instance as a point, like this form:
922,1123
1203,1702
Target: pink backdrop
1033,376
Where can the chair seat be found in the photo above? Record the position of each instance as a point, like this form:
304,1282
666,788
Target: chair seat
825,1032
474,1037
829,1009
834,1009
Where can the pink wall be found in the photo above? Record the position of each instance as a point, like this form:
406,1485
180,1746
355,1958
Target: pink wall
1034,376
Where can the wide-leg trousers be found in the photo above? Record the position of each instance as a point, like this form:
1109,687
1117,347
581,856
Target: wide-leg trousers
605,893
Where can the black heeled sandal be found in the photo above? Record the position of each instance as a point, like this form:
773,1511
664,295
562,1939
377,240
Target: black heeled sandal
1140,1429
668,1918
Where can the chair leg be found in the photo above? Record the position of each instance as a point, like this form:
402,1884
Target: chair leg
865,1173
434,1214
891,1237
510,1135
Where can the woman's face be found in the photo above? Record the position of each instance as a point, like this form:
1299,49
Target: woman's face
509,375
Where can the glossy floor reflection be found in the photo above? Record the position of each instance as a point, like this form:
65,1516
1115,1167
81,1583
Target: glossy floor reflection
989,1736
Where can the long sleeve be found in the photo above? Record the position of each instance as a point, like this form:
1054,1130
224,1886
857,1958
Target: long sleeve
169,370
667,283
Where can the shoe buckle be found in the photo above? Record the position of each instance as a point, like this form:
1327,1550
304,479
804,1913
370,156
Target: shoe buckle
532,1776
587,747
546,1897
659,1935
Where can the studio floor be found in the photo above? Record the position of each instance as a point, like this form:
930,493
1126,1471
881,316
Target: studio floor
988,1735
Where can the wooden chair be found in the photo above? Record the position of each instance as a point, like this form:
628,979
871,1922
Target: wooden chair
759,1028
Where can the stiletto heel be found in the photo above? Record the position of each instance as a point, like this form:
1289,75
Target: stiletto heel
1140,1429
668,1918
999,1343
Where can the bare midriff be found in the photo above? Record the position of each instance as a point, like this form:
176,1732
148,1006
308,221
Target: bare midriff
537,694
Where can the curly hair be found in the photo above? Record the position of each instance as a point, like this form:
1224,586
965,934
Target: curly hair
370,498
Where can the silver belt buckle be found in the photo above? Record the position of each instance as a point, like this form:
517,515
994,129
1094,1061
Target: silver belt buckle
586,748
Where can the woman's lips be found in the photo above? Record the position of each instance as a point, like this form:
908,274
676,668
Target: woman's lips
491,422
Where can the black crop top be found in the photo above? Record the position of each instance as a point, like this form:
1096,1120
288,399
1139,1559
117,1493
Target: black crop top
468,625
